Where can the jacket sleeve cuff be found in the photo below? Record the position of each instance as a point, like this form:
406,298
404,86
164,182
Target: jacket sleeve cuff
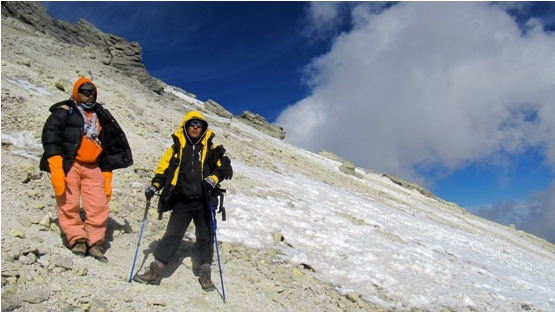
215,178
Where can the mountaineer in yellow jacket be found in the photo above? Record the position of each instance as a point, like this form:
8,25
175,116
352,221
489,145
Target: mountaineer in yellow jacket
188,175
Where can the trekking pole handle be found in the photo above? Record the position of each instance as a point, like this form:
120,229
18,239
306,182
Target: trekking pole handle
146,209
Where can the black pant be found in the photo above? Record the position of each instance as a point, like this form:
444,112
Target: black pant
183,212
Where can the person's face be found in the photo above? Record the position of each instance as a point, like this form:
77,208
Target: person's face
87,96
195,129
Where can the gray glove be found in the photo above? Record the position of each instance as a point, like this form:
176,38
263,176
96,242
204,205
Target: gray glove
209,186
210,182
149,192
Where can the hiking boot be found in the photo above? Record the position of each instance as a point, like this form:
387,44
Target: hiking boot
97,252
152,275
80,247
204,278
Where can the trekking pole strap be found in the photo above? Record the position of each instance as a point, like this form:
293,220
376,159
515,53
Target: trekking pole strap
221,208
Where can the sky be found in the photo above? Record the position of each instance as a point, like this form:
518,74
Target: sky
455,96
416,252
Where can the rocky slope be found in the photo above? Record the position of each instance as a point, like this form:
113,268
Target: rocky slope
41,58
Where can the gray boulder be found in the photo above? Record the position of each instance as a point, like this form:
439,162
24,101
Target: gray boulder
349,168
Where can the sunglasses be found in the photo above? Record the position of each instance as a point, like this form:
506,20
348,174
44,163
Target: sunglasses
196,123
87,92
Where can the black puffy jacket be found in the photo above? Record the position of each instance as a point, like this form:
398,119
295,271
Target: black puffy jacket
63,131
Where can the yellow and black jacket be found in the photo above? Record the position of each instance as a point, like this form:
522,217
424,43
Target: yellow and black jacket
186,164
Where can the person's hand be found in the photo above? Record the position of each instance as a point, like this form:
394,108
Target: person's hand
149,192
209,185
108,184
226,170
210,182
57,175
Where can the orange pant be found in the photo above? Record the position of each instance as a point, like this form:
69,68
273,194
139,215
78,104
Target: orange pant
84,181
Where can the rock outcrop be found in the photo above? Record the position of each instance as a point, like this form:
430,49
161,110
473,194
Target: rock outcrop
349,168
331,156
410,186
217,109
259,123
123,55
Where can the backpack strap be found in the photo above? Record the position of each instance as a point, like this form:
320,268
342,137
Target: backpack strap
166,188
221,208
67,108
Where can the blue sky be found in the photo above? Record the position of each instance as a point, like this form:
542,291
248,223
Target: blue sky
455,96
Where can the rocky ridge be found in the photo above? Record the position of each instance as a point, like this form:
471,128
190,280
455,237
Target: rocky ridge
116,52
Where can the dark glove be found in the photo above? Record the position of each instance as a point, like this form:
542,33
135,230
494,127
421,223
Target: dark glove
226,170
149,192
209,187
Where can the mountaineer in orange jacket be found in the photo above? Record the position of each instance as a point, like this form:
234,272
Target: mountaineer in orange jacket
83,144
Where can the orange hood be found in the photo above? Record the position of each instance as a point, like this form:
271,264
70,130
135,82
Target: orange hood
79,83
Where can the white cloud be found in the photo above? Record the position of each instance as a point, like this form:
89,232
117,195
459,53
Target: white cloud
313,116
429,83
535,215
323,16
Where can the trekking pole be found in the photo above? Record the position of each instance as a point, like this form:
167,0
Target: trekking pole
217,251
139,242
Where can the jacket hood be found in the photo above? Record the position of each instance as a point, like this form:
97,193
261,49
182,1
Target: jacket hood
79,83
190,116
181,132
